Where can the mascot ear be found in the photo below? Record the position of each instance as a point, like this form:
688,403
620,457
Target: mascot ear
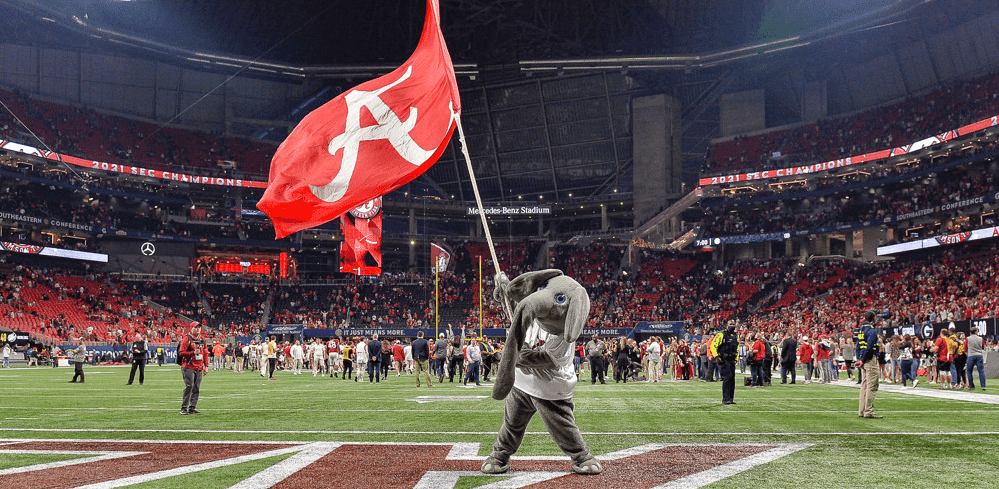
506,372
527,283
576,315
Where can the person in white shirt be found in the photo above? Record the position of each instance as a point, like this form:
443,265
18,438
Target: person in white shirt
474,355
655,355
361,352
408,353
297,357
317,351
6,356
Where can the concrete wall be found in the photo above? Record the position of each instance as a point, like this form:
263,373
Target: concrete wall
742,112
658,168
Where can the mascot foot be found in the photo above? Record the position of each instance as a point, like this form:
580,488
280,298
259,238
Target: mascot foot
590,466
493,465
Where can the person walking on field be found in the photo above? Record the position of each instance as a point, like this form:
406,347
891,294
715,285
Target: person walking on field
976,356
867,363
788,358
79,358
139,351
193,354
374,359
421,358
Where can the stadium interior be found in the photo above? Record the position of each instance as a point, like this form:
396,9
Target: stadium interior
693,162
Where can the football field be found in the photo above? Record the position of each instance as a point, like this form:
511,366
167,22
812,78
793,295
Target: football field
301,431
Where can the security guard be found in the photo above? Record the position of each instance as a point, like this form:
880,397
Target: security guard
725,349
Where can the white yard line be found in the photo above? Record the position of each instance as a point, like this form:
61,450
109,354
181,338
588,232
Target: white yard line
949,394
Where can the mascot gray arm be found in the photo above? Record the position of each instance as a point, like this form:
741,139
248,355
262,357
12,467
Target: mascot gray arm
535,359
557,302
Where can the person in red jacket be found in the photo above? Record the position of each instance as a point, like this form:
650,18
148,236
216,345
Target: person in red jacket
398,357
193,354
805,357
759,352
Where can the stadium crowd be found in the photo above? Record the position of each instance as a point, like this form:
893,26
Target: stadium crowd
875,129
86,133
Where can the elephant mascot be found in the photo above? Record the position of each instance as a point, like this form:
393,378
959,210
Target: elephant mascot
536,372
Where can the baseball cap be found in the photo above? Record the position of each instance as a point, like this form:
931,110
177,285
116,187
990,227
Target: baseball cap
441,335
195,324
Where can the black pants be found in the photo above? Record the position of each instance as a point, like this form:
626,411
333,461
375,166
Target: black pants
457,365
78,371
785,368
271,365
141,365
621,372
348,369
728,380
597,370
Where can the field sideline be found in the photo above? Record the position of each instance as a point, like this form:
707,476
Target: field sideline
284,433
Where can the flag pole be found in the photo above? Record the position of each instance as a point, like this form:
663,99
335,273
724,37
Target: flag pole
480,296
482,212
437,301
475,189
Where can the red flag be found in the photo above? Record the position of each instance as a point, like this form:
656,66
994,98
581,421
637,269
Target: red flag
368,141
440,258
361,251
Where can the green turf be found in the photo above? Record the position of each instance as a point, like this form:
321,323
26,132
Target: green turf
473,481
921,443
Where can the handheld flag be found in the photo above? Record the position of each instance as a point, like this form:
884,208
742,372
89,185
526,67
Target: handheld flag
368,141
440,258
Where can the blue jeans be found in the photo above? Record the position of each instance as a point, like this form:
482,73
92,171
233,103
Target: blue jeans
756,368
914,374
906,371
980,362
473,373
953,373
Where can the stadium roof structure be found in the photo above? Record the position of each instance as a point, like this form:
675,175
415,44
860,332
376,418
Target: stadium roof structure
695,51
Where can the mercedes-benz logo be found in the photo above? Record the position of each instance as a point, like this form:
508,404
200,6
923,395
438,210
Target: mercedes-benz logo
147,248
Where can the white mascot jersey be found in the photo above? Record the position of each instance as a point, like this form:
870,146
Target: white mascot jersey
548,384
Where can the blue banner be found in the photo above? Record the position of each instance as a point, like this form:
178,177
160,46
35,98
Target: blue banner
394,332
276,329
660,327
101,352
606,332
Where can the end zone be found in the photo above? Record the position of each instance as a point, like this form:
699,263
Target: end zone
112,463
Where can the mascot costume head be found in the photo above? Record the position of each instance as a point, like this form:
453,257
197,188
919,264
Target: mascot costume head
536,373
